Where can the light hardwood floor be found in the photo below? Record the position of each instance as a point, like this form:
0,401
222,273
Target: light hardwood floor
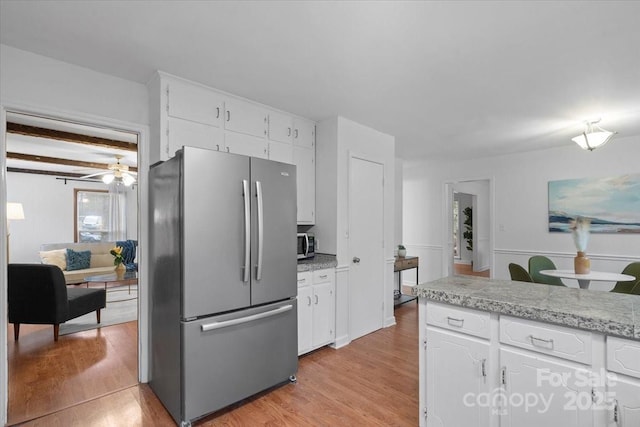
371,382
467,270
47,376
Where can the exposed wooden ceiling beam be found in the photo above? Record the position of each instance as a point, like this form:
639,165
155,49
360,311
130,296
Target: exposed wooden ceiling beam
58,161
77,138
42,172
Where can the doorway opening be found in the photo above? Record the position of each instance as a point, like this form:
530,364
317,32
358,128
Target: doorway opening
49,162
470,235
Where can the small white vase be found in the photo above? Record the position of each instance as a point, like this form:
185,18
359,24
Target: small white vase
402,253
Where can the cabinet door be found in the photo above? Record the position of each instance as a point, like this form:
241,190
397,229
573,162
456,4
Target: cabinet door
625,406
195,103
245,145
304,159
542,391
304,133
323,314
281,152
280,127
183,132
457,378
245,117
305,319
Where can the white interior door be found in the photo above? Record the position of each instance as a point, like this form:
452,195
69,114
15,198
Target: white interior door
366,239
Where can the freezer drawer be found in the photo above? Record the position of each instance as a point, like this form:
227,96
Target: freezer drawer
230,357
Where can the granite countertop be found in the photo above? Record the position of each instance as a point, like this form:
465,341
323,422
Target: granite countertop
318,262
606,312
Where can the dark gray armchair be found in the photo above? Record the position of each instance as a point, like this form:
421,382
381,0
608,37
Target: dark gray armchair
38,294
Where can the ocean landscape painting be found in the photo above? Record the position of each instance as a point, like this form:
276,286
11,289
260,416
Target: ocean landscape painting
612,204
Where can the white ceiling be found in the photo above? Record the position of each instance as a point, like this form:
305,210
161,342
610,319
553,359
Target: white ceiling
463,79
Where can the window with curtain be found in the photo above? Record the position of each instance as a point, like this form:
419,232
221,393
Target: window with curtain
100,215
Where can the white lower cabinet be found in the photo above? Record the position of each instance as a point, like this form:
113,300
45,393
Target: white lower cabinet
316,309
537,373
541,391
624,401
623,382
455,392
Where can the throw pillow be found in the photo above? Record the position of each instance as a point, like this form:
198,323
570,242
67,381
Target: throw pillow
78,260
55,257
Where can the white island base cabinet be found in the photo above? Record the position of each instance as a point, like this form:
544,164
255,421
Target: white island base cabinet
486,369
452,392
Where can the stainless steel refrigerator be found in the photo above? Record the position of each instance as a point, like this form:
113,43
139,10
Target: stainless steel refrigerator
223,317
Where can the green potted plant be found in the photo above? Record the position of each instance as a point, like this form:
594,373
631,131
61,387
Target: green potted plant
402,251
468,226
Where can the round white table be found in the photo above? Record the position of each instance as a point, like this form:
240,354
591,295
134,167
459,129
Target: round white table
585,279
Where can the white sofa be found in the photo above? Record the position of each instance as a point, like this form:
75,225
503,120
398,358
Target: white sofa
101,261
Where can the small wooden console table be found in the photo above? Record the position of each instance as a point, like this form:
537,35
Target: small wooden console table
401,264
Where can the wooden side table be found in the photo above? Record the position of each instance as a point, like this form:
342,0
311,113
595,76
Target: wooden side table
401,264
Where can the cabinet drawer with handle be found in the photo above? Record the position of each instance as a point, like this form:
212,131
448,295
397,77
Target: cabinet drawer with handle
623,356
323,276
305,278
559,341
466,320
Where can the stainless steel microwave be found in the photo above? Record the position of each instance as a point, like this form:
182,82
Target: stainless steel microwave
306,245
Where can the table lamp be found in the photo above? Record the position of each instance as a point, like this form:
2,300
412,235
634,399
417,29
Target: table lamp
14,212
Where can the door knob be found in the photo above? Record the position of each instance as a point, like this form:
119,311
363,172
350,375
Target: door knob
356,260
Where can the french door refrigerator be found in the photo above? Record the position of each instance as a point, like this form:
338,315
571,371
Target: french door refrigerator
223,315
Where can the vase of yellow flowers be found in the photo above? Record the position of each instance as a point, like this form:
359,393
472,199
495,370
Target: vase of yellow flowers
118,261
580,231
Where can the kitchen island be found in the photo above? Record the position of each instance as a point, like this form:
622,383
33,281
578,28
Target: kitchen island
505,353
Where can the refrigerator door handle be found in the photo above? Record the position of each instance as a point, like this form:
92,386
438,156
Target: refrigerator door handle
247,230
260,230
247,319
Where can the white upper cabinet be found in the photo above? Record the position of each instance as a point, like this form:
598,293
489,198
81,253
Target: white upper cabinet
280,127
281,152
304,159
304,133
187,113
194,103
245,117
247,145
181,132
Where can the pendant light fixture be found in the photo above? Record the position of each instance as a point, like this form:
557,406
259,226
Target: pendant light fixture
593,136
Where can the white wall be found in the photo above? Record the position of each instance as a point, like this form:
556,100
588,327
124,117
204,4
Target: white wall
48,204
397,212
337,139
520,205
34,83
27,78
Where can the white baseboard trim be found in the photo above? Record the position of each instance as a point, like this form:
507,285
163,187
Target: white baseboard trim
340,342
390,321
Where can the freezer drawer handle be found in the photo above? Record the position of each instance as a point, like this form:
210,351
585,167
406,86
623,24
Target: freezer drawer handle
227,323
247,230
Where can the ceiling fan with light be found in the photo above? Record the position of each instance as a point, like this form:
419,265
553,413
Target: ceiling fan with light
117,172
